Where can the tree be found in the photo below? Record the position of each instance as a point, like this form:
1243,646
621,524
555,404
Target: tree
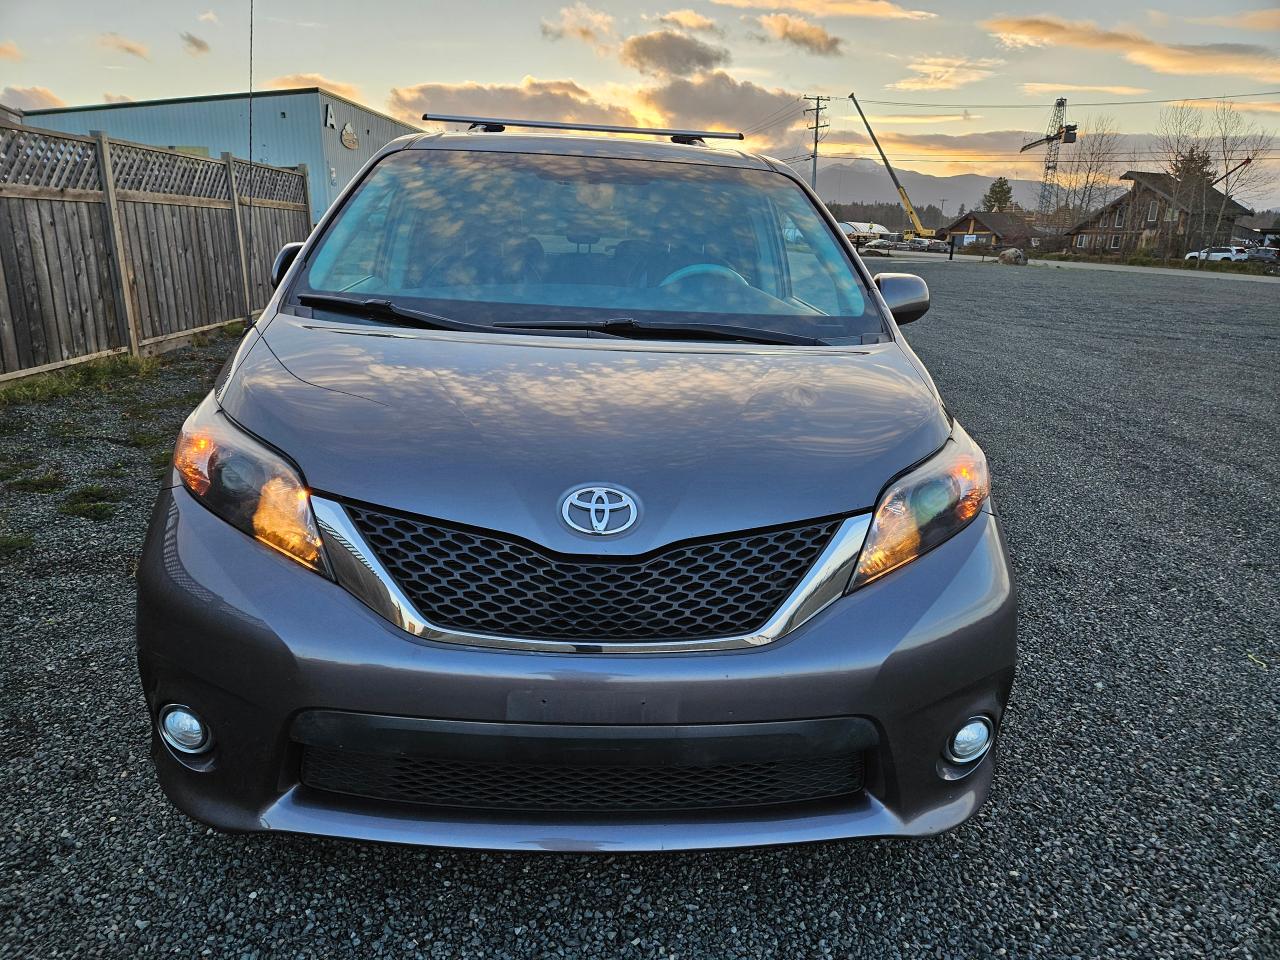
963,211
1236,144
999,197
1087,175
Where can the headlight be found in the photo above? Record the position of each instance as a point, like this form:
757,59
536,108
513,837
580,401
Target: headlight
918,511
248,485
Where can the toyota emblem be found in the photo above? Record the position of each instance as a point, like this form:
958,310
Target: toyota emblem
599,511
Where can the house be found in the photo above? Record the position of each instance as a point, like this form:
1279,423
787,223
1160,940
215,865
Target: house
1156,210
989,228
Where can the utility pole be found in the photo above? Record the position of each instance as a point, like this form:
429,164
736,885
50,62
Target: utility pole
818,126
943,210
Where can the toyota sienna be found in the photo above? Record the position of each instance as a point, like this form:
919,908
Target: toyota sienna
577,493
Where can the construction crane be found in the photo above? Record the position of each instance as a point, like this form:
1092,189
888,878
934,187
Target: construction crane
1057,134
917,228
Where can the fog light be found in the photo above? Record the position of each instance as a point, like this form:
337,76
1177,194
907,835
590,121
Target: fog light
971,741
182,729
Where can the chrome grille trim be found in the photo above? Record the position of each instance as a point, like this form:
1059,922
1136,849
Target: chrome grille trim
362,574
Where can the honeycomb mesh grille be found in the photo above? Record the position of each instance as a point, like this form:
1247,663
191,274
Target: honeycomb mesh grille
482,583
508,786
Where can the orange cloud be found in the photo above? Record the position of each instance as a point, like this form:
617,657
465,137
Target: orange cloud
801,33
31,98
872,9
1058,88
539,99
291,80
1203,59
10,51
134,48
1245,20
580,22
116,98
688,20
945,73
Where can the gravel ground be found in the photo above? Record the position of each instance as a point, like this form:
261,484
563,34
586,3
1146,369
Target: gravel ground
1131,426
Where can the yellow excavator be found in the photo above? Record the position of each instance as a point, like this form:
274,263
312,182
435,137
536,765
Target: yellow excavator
918,229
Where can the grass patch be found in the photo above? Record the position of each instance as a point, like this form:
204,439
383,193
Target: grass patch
12,468
46,482
118,470
160,459
109,373
234,331
12,544
147,439
95,501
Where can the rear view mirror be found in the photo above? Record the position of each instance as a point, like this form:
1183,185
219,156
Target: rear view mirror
284,260
906,294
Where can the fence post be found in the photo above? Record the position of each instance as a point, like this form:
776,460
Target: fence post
306,193
119,270
245,284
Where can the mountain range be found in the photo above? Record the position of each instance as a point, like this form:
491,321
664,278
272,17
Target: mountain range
865,181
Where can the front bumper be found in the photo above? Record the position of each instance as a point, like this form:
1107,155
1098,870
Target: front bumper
254,643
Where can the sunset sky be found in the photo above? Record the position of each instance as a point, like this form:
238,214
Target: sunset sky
971,80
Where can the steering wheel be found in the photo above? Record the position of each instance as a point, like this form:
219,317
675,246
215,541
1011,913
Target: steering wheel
703,269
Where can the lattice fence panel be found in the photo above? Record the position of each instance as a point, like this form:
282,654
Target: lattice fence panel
38,159
154,171
270,183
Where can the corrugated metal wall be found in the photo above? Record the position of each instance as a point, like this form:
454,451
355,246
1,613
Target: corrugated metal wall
288,129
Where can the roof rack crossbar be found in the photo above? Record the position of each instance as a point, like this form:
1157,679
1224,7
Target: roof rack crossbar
496,124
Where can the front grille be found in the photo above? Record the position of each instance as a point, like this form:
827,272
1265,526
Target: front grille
481,582
513,786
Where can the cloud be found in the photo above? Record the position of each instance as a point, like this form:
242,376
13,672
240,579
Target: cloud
31,98
717,101
871,9
801,33
1198,59
116,98
113,41
1245,20
208,17
1056,88
667,53
292,80
532,98
929,118
945,73
1242,106
195,46
580,22
688,20
10,51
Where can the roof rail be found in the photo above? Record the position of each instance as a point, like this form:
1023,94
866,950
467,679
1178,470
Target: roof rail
497,125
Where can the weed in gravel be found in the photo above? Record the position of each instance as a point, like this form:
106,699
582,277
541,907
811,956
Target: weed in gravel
105,374
117,470
146,439
11,544
160,459
234,330
93,500
10,468
46,482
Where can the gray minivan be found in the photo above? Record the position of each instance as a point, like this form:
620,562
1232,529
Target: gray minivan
558,501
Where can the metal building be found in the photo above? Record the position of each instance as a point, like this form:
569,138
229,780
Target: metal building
333,136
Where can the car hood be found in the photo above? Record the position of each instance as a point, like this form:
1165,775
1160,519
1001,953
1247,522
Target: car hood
494,430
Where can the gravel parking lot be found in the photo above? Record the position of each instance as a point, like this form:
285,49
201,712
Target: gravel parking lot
1131,423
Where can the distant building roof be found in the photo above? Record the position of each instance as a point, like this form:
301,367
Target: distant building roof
1001,224
257,95
1166,186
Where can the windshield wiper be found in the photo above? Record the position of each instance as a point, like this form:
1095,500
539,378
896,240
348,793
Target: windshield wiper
639,329
386,310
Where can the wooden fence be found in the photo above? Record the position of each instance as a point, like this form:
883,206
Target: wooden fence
110,247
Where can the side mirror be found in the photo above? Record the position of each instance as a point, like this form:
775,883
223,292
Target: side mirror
906,294
284,260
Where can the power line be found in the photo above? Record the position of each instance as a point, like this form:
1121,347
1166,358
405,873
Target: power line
1044,106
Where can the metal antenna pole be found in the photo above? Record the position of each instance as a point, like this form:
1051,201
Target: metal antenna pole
817,127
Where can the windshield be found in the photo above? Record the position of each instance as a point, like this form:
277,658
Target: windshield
502,238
